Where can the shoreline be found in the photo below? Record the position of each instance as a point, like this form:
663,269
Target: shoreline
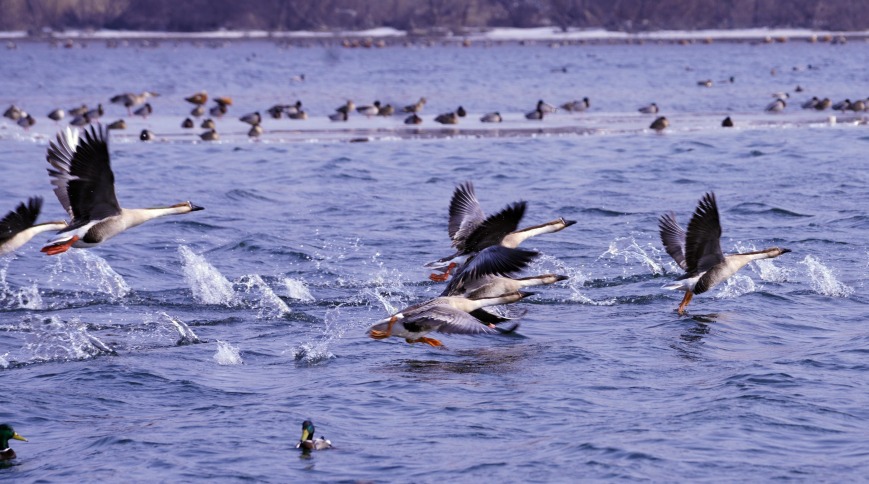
383,37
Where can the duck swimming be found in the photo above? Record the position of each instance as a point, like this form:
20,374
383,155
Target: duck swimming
83,181
19,225
307,442
7,433
698,252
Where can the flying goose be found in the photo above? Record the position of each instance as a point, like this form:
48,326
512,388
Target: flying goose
19,225
698,252
85,185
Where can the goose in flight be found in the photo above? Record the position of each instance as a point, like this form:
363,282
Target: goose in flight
19,225
85,185
698,251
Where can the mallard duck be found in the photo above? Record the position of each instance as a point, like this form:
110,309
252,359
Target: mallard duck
535,115
448,315
293,108
660,124
698,252
252,119
776,106
85,185
6,433
471,231
144,111
19,225
650,109
307,442
369,110
842,105
415,108
491,118
198,99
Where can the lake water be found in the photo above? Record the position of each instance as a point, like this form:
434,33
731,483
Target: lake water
307,239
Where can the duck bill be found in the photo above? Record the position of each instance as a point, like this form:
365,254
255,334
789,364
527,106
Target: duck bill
18,437
305,436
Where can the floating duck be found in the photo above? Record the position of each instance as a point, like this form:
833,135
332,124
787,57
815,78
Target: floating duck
660,124
416,107
83,181
19,226
307,442
187,123
199,98
210,135
650,109
146,135
491,118
369,110
119,124
698,252
7,433
576,106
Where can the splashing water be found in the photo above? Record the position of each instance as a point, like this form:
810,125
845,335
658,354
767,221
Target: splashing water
187,335
23,298
298,290
631,251
227,354
4,363
262,297
737,285
54,339
317,350
83,267
575,283
823,280
209,286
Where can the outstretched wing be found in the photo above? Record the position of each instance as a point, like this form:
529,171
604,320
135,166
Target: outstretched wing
465,214
448,320
493,260
673,238
22,218
493,230
703,238
82,175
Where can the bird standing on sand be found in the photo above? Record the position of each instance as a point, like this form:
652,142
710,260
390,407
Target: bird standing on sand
698,251
85,186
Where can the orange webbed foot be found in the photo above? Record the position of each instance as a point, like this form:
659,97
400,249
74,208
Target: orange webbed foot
443,277
429,341
59,248
374,334
684,303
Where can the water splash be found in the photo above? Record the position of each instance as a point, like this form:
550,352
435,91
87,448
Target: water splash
187,336
227,354
823,280
83,267
577,280
298,290
628,249
261,297
23,298
737,285
4,363
209,286
317,350
55,339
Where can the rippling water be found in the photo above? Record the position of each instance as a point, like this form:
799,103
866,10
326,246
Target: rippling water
194,346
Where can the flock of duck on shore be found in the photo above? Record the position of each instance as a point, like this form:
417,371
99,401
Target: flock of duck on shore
137,104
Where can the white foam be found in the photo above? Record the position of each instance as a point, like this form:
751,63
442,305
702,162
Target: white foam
737,285
4,363
82,268
23,298
187,335
209,286
823,280
298,290
227,354
55,339
628,249
262,297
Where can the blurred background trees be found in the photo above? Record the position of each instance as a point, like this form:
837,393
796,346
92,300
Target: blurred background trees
431,16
